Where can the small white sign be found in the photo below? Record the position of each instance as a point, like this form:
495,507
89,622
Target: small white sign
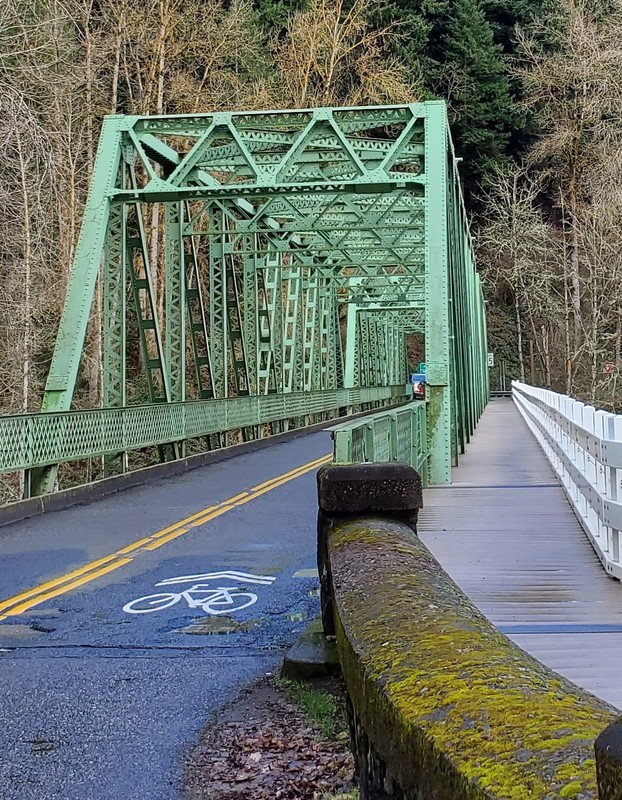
491,359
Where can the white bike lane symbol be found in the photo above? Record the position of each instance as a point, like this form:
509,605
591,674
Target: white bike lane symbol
212,600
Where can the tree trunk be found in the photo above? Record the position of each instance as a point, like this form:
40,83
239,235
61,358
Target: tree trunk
567,336
27,267
546,347
519,336
115,74
575,286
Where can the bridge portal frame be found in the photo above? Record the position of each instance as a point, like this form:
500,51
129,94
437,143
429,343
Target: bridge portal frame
305,213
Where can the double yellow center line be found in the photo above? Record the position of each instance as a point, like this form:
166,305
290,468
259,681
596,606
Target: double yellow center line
102,566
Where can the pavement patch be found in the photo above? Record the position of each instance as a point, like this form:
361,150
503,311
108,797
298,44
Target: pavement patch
20,631
43,745
220,625
307,573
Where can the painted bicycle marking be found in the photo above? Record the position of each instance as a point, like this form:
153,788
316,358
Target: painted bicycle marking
210,599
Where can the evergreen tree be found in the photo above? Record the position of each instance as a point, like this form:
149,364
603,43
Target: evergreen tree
505,15
473,77
273,14
414,21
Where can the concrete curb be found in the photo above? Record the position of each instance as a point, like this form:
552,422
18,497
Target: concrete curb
312,656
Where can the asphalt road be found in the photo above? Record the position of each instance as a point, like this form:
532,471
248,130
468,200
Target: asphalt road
101,703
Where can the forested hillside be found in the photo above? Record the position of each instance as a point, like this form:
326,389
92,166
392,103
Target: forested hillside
535,93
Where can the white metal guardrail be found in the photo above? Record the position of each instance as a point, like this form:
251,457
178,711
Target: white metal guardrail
584,447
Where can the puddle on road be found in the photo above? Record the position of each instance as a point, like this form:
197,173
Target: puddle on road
220,625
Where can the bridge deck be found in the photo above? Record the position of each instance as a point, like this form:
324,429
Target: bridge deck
506,534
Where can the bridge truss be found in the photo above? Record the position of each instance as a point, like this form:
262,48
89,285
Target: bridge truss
269,255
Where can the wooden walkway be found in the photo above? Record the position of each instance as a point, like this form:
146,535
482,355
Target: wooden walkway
506,534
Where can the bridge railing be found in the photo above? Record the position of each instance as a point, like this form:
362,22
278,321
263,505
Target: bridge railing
442,705
36,440
584,446
391,435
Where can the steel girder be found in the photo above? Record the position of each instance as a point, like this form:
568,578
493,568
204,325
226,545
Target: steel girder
284,238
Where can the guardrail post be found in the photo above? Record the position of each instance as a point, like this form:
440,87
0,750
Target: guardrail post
369,441
580,456
390,490
613,430
601,479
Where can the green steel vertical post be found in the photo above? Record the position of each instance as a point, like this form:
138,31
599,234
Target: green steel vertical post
114,296
250,311
351,372
309,342
336,377
265,336
291,327
436,295
175,302
235,328
197,321
61,380
114,319
217,302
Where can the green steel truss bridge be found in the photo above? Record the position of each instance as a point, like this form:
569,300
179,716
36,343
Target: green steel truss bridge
254,273
260,271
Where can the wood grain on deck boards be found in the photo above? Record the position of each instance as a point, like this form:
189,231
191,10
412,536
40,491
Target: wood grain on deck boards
507,535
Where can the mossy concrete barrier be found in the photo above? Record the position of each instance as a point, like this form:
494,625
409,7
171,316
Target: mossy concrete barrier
444,707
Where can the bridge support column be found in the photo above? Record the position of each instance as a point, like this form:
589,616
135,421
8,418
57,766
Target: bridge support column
437,350
350,378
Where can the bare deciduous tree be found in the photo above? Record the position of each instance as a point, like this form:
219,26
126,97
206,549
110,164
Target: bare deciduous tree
521,252
330,56
575,85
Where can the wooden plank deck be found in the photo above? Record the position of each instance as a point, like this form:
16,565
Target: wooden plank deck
506,534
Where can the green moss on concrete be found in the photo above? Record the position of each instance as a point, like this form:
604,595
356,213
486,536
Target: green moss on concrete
443,695
571,790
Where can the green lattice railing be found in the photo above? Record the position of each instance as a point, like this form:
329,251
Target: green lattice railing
35,440
391,435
